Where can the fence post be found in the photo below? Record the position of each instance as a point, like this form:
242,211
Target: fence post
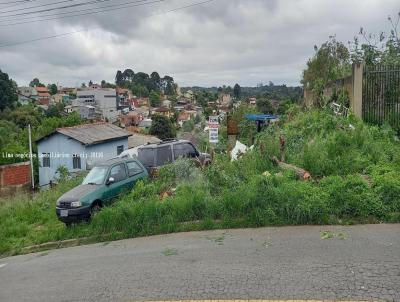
358,74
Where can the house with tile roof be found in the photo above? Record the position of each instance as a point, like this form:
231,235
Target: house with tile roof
43,95
78,148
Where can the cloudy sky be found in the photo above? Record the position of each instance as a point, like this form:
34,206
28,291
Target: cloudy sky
210,44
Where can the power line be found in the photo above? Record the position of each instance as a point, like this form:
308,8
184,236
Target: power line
34,18
52,8
82,12
89,29
15,2
36,6
18,4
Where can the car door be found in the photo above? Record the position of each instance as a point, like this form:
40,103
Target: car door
135,172
119,174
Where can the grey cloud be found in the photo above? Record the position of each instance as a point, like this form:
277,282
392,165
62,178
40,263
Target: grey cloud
222,42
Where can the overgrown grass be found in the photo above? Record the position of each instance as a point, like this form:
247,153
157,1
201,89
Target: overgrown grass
355,171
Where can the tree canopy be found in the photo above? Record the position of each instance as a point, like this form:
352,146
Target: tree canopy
8,92
142,84
162,127
36,83
155,99
237,91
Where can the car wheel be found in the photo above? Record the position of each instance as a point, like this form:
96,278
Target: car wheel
68,224
96,207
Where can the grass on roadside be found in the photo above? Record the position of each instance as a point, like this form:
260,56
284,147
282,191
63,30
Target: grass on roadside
355,173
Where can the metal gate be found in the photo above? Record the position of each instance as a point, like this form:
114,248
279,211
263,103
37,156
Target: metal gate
381,95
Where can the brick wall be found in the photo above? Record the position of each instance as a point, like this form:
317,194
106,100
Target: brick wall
14,177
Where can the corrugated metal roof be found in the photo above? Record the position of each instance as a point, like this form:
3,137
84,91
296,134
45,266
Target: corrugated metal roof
91,134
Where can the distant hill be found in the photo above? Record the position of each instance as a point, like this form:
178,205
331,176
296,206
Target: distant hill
273,92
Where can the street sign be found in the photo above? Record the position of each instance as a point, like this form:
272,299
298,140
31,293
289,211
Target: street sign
213,125
213,135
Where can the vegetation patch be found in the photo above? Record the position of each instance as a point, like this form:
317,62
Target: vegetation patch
355,179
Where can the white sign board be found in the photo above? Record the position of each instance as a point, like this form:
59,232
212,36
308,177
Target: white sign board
213,135
213,125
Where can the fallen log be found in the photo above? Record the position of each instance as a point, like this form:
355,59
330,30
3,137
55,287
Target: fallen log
301,173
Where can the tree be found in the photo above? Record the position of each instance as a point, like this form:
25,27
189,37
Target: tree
168,85
128,75
119,78
265,106
155,99
237,91
36,83
8,93
155,80
139,90
381,48
90,84
162,127
105,84
330,62
188,126
52,89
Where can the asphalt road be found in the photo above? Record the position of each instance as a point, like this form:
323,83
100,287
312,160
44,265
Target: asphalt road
358,263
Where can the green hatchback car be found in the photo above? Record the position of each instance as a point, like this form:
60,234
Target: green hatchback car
105,182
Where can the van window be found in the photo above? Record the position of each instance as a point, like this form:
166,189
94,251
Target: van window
146,156
133,168
164,155
118,172
184,150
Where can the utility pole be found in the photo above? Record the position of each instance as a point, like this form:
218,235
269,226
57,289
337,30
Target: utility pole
31,156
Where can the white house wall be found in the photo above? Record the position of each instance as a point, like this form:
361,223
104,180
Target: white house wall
61,149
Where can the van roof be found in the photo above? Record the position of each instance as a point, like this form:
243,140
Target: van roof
164,142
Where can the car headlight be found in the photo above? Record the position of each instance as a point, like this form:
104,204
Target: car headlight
58,203
76,204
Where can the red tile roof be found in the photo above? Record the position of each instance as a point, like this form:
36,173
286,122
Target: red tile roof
41,89
161,109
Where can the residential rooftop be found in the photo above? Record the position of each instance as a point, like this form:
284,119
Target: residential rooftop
91,134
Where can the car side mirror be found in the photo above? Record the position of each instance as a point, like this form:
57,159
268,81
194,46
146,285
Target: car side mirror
110,181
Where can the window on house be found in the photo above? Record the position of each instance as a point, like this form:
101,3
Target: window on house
120,149
76,162
46,160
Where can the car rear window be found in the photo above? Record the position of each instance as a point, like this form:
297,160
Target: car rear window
146,156
184,150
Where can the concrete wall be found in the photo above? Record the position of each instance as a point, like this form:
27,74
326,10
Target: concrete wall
61,149
352,84
104,151
15,178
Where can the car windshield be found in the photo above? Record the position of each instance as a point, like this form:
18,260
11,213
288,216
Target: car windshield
96,176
